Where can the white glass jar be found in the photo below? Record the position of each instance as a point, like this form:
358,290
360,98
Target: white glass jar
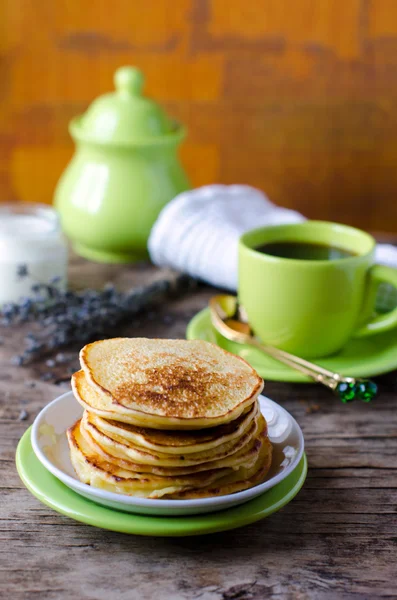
32,250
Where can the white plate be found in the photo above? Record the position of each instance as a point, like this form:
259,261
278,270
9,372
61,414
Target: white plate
51,448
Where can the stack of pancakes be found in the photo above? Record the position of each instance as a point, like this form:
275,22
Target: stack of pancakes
167,419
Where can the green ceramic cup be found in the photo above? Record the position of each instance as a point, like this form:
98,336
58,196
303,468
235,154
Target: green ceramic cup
312,307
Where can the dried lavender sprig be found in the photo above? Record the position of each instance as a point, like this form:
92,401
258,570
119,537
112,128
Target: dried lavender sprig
66,318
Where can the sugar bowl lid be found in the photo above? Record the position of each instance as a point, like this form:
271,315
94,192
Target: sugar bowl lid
125,117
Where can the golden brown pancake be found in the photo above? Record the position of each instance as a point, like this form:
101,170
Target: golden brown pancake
94,470
128,465
180,442
239,480
232,454
165,384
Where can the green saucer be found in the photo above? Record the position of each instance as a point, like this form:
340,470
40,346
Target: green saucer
363,357
58,496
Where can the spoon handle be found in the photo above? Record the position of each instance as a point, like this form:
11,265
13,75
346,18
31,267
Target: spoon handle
308,368
347,388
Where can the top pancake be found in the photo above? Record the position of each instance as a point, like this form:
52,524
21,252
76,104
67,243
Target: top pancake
174,383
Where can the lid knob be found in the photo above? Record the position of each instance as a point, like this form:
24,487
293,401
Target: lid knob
129,80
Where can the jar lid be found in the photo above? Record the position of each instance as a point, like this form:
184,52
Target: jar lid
125,117
27,220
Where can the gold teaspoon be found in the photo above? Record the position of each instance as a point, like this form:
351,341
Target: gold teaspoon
229,320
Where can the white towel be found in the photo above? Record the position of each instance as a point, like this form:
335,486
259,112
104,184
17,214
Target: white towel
198,231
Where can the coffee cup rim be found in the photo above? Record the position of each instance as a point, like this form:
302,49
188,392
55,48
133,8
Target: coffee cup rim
308,224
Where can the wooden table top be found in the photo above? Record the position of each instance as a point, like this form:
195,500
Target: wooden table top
336,539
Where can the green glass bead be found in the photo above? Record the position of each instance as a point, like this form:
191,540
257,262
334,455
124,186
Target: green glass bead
346,391
366,390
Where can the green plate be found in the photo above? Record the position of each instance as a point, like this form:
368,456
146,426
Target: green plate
58,496
363,357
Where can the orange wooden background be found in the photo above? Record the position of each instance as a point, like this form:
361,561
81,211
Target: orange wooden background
297,97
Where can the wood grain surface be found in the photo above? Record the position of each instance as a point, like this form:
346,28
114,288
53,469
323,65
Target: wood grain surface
336,539
297,97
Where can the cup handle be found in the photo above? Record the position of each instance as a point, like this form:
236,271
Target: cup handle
379,274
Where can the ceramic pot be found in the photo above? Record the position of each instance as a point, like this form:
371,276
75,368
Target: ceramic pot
125,169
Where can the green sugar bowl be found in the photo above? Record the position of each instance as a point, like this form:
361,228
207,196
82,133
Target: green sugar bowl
125,169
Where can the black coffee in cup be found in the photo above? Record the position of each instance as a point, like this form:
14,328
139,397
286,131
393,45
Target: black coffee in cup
304,250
